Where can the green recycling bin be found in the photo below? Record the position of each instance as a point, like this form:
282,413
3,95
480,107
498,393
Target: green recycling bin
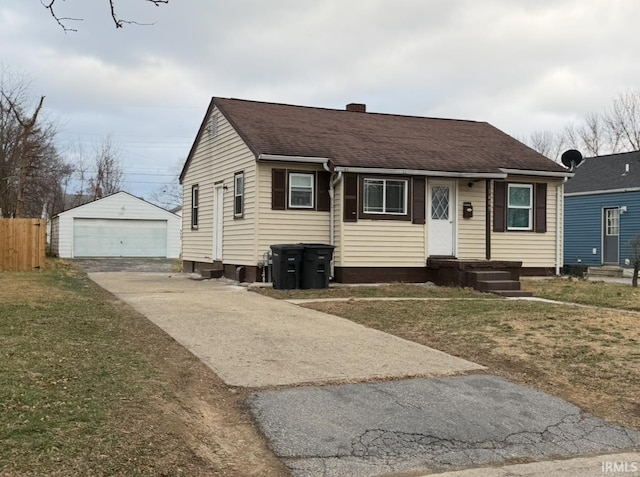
286,264
316,265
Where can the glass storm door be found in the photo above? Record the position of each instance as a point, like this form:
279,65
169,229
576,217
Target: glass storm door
441,222
611,236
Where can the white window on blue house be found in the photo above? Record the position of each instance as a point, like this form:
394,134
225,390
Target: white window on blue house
520,207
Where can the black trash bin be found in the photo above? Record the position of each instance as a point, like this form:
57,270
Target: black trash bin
316,265
286,264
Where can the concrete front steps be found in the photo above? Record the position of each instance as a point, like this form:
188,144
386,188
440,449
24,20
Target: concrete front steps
496,282
605,271
216,271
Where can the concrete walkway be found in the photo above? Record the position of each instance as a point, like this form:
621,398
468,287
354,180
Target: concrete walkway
254,341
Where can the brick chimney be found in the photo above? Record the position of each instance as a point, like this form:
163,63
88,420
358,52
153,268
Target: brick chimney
98,193
357,107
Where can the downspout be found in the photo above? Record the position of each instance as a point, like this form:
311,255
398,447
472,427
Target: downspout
488,216
335,178
559,198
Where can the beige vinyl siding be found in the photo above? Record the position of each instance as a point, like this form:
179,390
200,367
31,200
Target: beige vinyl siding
472,232
287,226
383,243
533,249
217,159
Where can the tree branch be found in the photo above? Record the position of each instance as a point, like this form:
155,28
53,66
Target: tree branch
59,20
118,22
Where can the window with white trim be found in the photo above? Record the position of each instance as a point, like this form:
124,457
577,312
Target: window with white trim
385,196
613,221
238,195
520,207
194,206
301,190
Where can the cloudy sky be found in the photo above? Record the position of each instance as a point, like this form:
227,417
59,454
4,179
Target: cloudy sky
522,65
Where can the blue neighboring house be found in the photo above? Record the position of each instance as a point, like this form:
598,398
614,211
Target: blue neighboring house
602,211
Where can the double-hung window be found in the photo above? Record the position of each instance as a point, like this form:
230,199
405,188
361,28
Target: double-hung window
301,190
238,195
194,206
520,207
385,196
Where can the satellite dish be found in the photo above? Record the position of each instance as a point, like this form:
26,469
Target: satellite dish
571,159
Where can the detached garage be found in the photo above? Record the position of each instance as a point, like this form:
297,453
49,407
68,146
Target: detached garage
119,225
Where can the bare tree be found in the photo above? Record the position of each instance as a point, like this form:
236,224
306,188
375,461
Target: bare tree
614,130
547,143
623,121
169,195
593,134
30,168
634,246
119,22
108,178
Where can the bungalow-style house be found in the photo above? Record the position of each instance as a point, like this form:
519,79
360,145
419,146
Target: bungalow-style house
400,197
602,211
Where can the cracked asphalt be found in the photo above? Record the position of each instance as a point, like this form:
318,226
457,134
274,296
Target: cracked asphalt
436,424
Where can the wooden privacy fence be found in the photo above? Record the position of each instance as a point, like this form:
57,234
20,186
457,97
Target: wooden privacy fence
22,244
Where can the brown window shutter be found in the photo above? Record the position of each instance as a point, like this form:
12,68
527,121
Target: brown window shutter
541,207
499,206
419,196
278,189
350,198
323,200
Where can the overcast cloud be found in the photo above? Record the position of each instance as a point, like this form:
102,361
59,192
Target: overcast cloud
522,65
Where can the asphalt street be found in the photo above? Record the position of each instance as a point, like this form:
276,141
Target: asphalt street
362,430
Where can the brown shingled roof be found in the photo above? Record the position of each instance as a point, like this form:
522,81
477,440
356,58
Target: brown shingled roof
373,140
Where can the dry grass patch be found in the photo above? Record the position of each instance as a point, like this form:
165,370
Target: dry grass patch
587,356
397,290
586,292
90,387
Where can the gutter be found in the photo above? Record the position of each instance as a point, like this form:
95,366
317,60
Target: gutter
303,159
523,172
600,192
415,172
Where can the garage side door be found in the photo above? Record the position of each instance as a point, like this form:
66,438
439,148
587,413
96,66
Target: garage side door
119,238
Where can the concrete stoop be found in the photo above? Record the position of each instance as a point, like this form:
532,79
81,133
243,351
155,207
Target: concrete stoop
496,282
605,271
216,271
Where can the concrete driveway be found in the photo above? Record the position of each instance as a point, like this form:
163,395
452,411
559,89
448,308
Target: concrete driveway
364,429
92,265
254,341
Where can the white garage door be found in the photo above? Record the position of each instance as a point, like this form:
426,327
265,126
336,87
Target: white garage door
119,238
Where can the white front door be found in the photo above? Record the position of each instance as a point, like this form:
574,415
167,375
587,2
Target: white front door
218,221
441,223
